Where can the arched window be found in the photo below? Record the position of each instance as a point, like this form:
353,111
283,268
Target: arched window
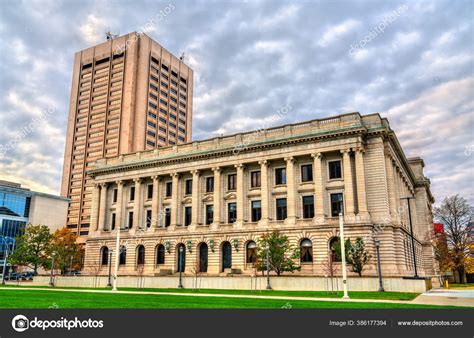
181,254
123,255
140,255
306,249
251,252
335,249
104,255
160,254
203,253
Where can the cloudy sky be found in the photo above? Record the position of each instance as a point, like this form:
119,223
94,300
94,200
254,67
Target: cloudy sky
410,61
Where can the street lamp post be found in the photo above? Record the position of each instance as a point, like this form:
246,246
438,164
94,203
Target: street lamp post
180,266
109,284
51,282
268,268
343,256
4,266
377,246
117,257
411,234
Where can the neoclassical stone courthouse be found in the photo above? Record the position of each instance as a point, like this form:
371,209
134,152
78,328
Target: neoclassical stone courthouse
202,206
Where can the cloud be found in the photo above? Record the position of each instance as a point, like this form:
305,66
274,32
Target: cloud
249,60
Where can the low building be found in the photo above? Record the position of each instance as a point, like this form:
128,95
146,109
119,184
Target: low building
20,206
206,203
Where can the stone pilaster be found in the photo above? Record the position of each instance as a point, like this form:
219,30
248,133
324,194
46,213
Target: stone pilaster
290,190
95,207
363,213
348,185
195,199
264,191
391,188
102,206
174,201
240,195
319,215
217,197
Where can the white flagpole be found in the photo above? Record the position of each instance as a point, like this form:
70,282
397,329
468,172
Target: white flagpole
343,255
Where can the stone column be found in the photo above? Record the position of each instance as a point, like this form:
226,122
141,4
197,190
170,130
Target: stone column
154,202
174,201
137,205
95,207
119,206
348,185
217,197
392,194
102,206
264,190
290,190
361,187
319,215
240,195
195,200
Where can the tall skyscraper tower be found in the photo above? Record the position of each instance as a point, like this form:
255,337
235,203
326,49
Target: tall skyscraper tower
128,94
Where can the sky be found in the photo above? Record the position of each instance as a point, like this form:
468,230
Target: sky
410,61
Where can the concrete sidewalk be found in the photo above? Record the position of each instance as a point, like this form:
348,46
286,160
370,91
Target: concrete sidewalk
429,301
446,297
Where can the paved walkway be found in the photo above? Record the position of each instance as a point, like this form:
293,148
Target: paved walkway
438,300
446,297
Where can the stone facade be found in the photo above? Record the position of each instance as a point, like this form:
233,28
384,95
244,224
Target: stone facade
215,197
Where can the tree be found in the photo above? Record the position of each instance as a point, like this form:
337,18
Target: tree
337,249
67,253
32,248
357,256
456,215
281,254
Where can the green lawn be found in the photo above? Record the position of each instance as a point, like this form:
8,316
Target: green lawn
318,294
70,299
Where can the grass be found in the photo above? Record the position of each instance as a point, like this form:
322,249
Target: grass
30,299
387,295
468,286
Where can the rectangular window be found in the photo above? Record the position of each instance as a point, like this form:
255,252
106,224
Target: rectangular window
232,212
280,176
189,187
132,194
209,214
148,218
169,189
130,219
334,170
256,211
187,216
336,204
115,195
255,181
281,209
231,181
149,194
112,224
308,206
210,184
167,217
307,173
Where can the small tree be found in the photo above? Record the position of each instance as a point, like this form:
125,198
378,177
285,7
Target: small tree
357,256
456,215
281,254
337,249
66,250
32,248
